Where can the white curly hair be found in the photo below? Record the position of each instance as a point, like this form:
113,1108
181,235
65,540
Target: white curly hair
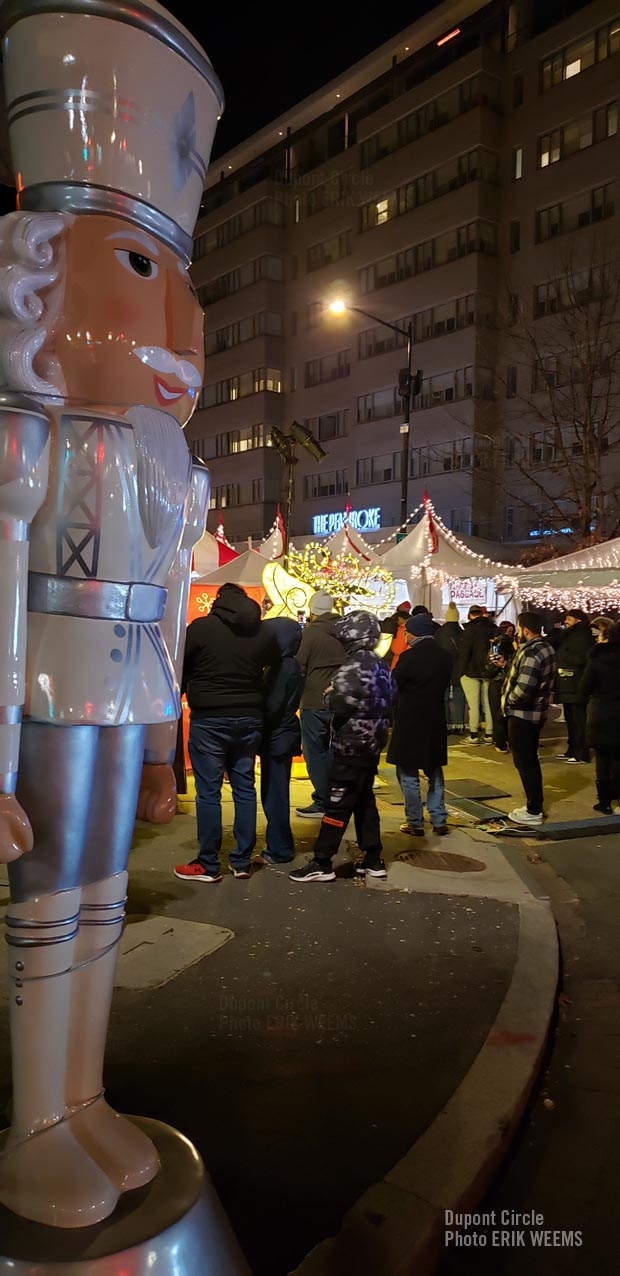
32,284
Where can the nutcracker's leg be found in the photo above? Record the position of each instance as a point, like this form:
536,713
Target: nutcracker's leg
45,1173
122,1151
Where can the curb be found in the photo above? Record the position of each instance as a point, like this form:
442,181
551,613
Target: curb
396,1227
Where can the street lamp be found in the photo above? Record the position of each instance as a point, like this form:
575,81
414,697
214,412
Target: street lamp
408,386
286,445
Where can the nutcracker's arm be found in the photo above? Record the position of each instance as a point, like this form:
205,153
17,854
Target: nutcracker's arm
161,738
24,466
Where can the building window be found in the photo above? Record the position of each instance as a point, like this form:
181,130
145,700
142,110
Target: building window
378,469
244,440
330,368
266,211
579,288
517,163
574,214
578,135
328,195
511,381
478,236
379,405
515,236
479,90
325,483
228,494
266,267
580,55
265,322
513,307
330,425
328,251
477,165
239,386
517,90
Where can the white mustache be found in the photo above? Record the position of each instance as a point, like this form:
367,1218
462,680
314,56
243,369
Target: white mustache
163,360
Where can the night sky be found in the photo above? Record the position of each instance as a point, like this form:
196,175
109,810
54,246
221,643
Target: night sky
266,66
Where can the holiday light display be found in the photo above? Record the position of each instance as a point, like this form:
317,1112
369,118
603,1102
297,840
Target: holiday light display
349,580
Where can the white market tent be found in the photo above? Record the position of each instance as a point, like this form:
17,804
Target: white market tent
348,541
246,569
587,578
437,566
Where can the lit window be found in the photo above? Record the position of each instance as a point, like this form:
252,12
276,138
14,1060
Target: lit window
381,211
517,163
572,68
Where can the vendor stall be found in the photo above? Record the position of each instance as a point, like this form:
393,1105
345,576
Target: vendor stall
588,579
438,568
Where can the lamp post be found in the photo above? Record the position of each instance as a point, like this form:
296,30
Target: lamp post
408,384
286,445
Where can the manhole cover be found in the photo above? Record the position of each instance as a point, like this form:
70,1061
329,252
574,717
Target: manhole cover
442,862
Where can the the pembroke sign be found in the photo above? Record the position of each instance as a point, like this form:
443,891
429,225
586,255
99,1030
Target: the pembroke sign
362,520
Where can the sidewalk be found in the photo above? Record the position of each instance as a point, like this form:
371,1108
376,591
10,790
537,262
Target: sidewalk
349,1059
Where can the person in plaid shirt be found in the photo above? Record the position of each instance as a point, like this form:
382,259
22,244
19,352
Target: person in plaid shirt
525,703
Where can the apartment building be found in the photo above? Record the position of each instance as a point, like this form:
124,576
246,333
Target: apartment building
425,185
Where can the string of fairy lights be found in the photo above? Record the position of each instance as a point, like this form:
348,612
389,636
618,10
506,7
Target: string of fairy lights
345,571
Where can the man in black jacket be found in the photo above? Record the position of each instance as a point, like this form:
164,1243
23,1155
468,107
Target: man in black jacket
319,656
226,655
572,648
471,666
419,739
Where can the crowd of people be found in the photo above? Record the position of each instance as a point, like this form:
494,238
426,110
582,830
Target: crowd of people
269,688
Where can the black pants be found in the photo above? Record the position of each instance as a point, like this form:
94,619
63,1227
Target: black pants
607,775
575,715
523,737
350,794
500,725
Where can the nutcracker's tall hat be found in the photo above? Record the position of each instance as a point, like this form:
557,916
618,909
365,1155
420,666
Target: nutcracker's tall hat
112,107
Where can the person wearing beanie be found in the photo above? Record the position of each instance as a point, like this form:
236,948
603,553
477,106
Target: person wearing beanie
419,738
361,698
395,625
319,656
449,638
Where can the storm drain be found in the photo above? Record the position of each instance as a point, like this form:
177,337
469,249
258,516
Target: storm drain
440,861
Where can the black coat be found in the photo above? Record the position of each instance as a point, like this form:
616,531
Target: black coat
419,738
474,648
449,637
572,653
226,654
601,685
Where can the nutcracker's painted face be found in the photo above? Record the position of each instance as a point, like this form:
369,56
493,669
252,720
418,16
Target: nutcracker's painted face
131,328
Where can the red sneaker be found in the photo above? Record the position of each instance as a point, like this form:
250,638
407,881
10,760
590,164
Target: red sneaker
195,872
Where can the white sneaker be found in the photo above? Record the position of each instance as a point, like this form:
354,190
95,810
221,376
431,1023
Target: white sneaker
522,816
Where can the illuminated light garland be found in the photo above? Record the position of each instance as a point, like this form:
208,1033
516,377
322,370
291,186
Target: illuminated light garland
345,577
563,597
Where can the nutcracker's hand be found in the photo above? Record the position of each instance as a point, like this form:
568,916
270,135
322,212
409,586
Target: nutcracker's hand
15,830
157,800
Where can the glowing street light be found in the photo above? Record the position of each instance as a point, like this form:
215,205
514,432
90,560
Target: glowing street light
409,385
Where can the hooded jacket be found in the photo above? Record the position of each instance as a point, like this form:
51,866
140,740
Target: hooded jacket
319,656
226,654
600,685
283,686
363,691
449,638
572,651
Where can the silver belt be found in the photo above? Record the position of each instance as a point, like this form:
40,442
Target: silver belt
95,599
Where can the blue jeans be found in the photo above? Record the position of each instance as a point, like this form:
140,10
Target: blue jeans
315,737
275,780
410,784
456,717
217,745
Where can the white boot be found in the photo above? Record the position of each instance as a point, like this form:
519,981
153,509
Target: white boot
45,1173
126,1155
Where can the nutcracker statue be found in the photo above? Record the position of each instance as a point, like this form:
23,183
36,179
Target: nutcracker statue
111,110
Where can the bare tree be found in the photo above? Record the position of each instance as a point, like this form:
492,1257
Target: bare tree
558,454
